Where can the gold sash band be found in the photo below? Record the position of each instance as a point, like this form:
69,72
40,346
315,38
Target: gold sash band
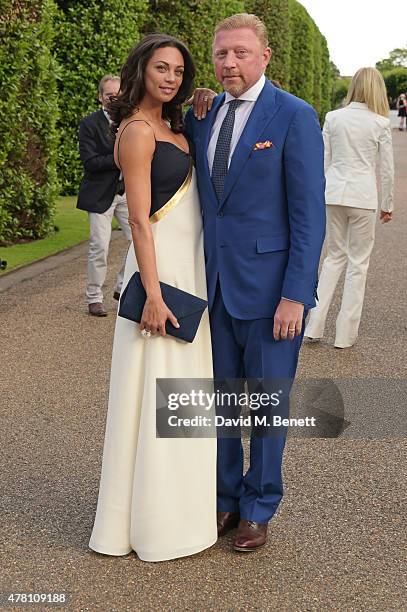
176,198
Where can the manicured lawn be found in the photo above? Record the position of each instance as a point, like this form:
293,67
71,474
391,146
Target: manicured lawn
73,229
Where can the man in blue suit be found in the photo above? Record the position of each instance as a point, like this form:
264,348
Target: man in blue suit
259,156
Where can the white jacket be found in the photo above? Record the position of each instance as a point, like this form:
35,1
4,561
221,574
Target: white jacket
354,137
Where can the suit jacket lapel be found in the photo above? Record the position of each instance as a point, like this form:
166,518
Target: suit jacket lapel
264,110
104,127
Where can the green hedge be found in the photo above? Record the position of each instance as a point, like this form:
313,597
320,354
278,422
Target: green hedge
94,38
301,52
316,100
300,60
276,16
340,89
90,38
327,79
28,108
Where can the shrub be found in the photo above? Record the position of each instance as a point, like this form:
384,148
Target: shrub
28,108
317,76
90,38
340,89
396,81
94,38
302,52
327,77
300,60
276,16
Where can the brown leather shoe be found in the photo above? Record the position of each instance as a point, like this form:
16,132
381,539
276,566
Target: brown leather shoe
116,295
97,309
226,522
250,536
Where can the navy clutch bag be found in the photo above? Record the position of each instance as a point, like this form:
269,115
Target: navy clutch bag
186,307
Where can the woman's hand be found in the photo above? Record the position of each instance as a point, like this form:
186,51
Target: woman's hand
202,101
155,315
385,217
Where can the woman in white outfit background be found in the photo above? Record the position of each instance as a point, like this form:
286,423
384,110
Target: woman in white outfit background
355,137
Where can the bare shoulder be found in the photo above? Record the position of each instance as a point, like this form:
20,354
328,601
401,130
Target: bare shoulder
135,132
136,141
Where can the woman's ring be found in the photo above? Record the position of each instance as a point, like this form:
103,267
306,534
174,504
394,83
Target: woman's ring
206,98
146,333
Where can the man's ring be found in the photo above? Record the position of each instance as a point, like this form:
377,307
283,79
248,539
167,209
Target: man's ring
146,333
291,329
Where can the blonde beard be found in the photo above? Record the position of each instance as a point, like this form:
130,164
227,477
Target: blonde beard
236,90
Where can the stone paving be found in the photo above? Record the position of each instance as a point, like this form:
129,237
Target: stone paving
338,541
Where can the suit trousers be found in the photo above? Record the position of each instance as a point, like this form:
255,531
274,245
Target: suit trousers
246,349
100,233
350,240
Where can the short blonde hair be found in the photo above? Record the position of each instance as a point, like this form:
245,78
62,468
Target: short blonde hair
367,85
105,79
245,20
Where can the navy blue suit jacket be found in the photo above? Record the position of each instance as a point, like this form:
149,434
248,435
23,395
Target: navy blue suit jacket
263,239
101,175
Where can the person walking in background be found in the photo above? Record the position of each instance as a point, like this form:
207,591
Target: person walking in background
101,194
353,137
402,105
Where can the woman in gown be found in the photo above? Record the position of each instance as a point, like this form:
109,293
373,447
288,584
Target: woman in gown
157,496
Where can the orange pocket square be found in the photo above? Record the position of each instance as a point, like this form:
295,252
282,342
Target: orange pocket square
267,144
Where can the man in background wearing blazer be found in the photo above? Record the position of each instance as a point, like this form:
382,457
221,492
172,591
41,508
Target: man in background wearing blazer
101,194
259,160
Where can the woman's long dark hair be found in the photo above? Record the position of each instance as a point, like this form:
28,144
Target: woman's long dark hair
132,86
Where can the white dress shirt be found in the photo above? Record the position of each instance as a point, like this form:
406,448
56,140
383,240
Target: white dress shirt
242,114
354,137
106,114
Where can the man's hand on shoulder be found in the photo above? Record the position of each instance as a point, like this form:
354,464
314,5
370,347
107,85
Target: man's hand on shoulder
201,101
288,319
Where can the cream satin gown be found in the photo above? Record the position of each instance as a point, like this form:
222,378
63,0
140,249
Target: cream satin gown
157,496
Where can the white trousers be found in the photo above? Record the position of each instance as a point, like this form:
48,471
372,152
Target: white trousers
100,225
350,239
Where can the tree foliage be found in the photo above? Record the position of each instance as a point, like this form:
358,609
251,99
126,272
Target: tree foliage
340,89
397,58
396,81
394,71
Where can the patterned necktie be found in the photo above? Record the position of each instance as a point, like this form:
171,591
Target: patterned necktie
222,151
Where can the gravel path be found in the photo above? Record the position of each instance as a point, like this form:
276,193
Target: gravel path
338,541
